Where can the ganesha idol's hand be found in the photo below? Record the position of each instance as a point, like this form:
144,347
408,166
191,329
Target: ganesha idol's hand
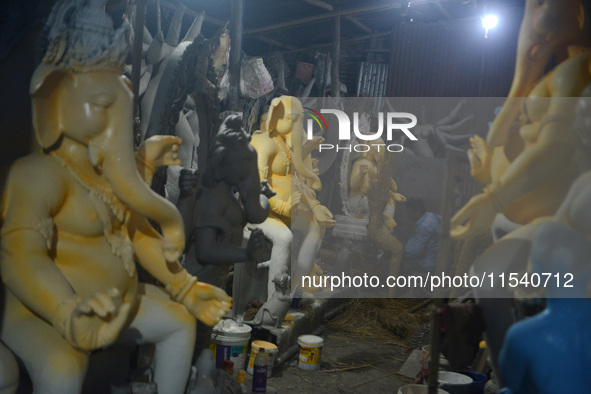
207,303
160,150
475,218
323,216
94,322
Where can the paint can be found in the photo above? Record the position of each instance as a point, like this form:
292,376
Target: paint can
229,341
310,349
269,348
418,389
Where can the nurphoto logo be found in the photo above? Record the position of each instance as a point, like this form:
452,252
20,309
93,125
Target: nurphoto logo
393,124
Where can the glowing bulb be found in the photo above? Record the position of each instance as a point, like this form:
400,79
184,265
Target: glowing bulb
490,22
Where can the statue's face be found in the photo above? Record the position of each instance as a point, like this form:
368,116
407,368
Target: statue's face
292,116
239,164
93,102
375,150
557,21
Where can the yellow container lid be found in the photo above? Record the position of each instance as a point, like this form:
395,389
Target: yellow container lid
268,346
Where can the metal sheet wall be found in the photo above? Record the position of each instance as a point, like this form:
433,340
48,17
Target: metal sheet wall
452,60
372,80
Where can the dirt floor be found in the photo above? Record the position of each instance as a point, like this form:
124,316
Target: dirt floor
348,366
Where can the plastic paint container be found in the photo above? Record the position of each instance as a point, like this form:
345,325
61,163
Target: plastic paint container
455,383
417,389
229,341
310,349
479,380
270,349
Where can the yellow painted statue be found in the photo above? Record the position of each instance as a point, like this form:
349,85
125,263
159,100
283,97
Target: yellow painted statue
363,171
532,153
295,207
75,222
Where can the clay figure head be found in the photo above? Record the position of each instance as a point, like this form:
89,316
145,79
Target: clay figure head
547,29
563,251
233,160
285,116
79,94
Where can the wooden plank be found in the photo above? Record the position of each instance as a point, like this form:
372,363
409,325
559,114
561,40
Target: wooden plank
320,4
322,17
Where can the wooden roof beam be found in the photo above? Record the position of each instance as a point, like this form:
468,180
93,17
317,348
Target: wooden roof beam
274,42
343,42
328,15
320,4
442,10
359,24
194,14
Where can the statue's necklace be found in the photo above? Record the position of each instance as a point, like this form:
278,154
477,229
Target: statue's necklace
285,152
104,201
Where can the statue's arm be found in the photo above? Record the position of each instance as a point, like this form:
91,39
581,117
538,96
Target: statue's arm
555,146
309,199
26,265
148,250
205,302
357,177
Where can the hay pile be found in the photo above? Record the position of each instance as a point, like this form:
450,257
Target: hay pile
384,320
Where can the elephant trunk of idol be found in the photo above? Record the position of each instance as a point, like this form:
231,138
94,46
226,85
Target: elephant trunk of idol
297,138
256,205
113,152
533,55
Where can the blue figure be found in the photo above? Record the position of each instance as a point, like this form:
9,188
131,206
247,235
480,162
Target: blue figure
551,352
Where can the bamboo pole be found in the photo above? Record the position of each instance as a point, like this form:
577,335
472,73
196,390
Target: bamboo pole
336,58
443,254
236,26
136,62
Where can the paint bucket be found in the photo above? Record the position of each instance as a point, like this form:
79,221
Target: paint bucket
229,341
479,380
418,389
270,349
455,383
310,349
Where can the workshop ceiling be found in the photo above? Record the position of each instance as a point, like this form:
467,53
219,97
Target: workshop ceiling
296,25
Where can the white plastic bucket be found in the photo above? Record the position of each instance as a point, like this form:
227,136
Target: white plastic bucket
417,389
455,383
229,341
270,349
310,351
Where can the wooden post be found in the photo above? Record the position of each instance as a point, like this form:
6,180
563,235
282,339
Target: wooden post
236,20
443,264
136,62
335,83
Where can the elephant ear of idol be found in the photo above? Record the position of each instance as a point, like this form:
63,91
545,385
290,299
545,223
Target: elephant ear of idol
79,39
